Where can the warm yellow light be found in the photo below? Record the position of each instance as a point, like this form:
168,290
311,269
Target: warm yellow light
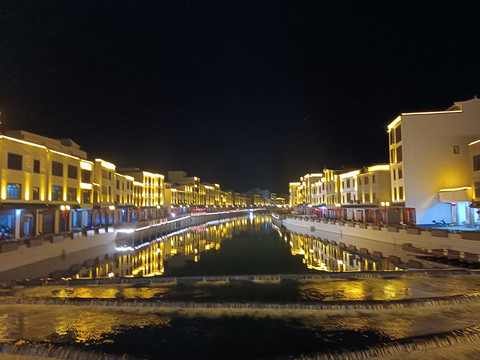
146,173
350,174
455,189
106,164
394,122
4,193
86,165
86,186
378,168
474,142
63,154
22,141
433,112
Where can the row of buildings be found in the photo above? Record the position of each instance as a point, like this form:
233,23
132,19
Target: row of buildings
51,186
433,175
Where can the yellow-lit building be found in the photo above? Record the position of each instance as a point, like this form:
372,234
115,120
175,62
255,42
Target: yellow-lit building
293,193
41,184
148,192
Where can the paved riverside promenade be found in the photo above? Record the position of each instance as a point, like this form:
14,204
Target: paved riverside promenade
388,240
62,251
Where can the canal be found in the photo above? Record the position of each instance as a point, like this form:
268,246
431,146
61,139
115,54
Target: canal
237,246
215,292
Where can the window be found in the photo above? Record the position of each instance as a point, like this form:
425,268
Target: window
118,198
399,154
400,193
398,133
392,139
366,180
110,191
109,175
86,196
118,185
71,194
14,161
35,193
57,192
348,183
394,193
14,191
477,190
105,174
104,190
36,166
400,172
57,168
476,163
394,172
392,156
359,181
374,198
373,179
456,149
72,172
86,176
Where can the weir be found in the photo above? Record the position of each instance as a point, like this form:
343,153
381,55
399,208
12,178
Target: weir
408,345
322,306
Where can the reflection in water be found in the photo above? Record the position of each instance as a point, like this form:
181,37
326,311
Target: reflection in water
328,256
174,251
169,254
144,332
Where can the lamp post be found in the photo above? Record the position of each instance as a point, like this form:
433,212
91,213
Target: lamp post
386,205
66,210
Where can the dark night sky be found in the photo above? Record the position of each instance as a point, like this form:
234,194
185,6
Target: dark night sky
243,93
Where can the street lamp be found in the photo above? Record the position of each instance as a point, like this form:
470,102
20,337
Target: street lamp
65,208
386,205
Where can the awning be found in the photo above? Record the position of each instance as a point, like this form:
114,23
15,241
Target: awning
455,195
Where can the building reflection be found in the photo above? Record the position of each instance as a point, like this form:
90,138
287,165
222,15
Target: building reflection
174,250
178,249
324,255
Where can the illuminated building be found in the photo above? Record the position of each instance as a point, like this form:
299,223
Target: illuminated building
41,185
148,192
189,185
293,193
429,156
363,191
474,148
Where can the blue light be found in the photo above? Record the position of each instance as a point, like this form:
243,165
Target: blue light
18,212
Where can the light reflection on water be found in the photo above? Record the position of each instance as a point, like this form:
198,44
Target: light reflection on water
176,251
317,290
92,326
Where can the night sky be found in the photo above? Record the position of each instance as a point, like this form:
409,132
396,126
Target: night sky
243,93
